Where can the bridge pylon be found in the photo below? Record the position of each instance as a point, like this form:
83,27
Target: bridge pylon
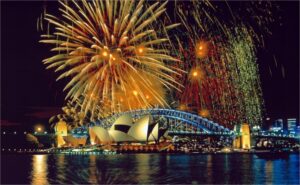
243,138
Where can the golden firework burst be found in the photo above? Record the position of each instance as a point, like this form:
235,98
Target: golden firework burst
112,52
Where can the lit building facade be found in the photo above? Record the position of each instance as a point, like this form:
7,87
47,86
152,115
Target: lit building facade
291,124
277,125
124,129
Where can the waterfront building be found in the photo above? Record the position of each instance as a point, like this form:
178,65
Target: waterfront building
124,129
277,125
291,124
297,130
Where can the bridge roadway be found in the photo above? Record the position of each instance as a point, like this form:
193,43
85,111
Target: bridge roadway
255,135
206,127
275,135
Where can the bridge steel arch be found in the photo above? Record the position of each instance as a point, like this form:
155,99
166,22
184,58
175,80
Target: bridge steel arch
207,126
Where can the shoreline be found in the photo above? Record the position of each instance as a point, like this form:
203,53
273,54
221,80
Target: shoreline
45,151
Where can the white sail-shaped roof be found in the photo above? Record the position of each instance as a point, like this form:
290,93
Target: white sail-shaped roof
139,129
102,134
154,134
125,119
119,136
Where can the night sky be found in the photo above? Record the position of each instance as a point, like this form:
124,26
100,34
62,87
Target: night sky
30,93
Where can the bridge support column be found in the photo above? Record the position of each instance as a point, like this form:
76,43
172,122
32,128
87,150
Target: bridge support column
246,137
243,141
237,142
60,131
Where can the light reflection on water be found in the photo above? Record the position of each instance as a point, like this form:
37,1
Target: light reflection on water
39,170
148,168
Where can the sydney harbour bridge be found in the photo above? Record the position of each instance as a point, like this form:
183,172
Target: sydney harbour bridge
186,124
178,122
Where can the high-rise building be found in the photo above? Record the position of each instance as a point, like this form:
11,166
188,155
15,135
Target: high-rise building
297,130
277,125
291,124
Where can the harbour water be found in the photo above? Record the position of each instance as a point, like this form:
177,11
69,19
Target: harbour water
237,168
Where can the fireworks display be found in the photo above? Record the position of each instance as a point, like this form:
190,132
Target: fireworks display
219,54
113,54
121,55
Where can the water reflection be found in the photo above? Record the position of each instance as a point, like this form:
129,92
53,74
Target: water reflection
148,169
269,171
226,168
209,169
143,168
60,167
92,169
39,170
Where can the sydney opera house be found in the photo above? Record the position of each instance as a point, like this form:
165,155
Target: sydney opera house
124,129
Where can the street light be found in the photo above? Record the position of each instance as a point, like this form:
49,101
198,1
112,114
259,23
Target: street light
39,128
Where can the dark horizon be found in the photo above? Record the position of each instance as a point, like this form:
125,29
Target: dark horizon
30,93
